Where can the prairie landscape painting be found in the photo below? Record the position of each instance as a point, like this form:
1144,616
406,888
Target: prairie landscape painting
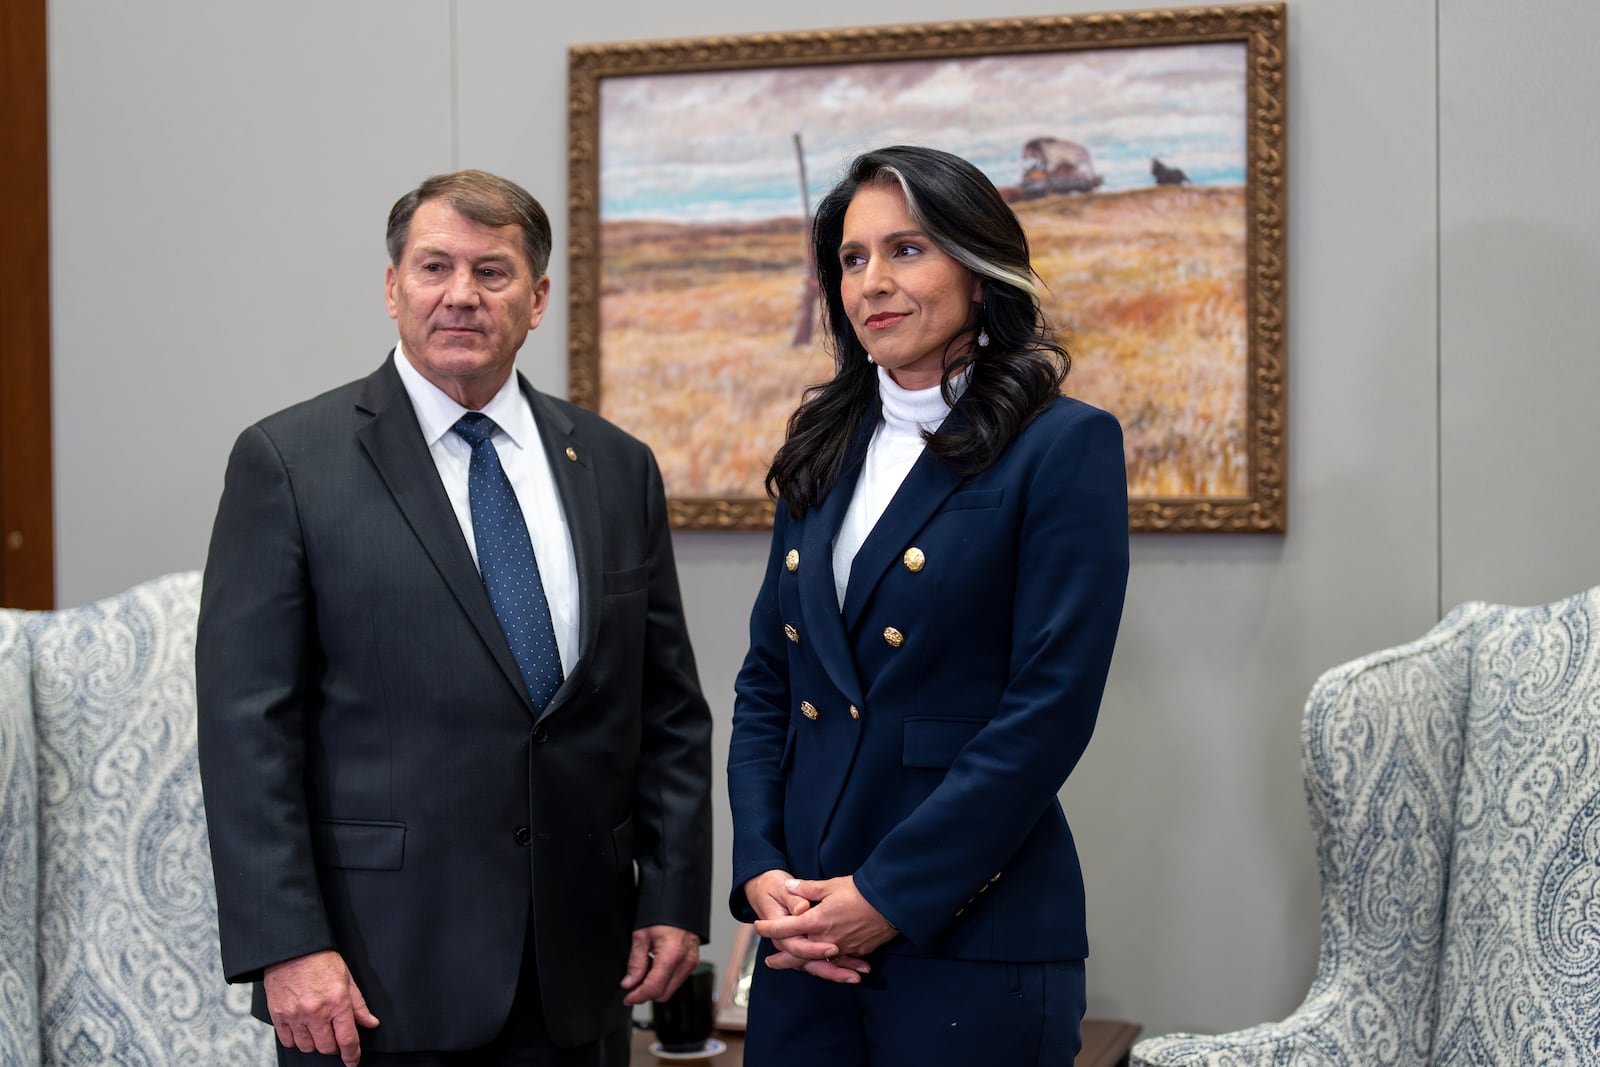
1130,167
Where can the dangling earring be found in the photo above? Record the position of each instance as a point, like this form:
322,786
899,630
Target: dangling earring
983,337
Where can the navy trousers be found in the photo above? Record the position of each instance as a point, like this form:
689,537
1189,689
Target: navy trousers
924,1010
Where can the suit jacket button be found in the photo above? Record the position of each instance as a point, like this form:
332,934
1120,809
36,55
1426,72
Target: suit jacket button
791,633
894,637
808,709
792,560
855,713
913,559
540,735
522,835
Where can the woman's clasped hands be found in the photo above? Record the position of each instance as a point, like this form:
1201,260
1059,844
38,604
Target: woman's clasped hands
825,928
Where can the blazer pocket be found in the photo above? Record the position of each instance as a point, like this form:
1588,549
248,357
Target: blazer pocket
618,583
935,742
974,498
369,846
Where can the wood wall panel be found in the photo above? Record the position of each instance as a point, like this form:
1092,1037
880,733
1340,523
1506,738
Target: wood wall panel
27,554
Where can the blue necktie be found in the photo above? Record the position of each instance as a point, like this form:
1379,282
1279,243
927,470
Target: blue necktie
506,561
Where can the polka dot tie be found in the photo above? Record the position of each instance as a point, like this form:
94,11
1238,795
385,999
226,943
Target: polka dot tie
506,561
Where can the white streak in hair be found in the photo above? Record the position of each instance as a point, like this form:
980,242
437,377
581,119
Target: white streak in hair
963,256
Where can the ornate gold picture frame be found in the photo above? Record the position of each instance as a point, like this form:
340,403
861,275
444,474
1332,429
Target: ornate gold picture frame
1144,152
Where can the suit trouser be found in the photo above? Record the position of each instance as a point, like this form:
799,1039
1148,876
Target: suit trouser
924,1010
521,1043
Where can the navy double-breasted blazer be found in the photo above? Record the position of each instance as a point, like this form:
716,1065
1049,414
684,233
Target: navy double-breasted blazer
917,738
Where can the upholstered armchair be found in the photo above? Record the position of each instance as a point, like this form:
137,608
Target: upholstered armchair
107,911
1454,787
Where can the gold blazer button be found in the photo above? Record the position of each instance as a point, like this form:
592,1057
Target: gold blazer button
893,636
855,713
913,559
807,709
791,633
572,454
792,560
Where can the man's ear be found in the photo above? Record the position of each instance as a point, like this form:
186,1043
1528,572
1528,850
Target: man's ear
541,300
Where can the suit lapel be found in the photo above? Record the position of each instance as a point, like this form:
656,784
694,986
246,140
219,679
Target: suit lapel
572,468
394,441
819,600
927,486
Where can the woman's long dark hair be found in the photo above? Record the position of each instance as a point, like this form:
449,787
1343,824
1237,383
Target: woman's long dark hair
1015,377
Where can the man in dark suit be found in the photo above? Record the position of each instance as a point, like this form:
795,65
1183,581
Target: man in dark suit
455,756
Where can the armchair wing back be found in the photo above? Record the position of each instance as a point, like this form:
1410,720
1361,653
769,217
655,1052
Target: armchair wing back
1454,788
1520,973
128,967
19,851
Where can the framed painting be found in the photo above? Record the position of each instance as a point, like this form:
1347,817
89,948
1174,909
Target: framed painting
1143,152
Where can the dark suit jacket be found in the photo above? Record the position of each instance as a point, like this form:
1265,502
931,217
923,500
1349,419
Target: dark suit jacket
375,778
917,739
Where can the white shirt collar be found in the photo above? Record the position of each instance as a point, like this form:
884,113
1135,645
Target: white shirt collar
437,412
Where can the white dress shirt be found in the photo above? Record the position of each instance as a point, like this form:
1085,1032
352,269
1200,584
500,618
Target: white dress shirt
522,456
896,445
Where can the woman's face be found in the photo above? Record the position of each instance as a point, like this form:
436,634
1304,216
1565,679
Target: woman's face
906,298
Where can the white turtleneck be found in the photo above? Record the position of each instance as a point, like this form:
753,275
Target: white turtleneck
896,444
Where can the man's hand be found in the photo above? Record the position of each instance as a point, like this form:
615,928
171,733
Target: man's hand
316,1007
836,931
773,895
661,958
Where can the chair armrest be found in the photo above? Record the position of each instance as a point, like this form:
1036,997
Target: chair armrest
1319,1032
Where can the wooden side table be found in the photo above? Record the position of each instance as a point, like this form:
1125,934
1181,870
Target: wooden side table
1106,1043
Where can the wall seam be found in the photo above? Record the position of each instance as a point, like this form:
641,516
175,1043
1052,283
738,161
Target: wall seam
1438,310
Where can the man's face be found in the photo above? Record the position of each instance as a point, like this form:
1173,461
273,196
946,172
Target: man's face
465,297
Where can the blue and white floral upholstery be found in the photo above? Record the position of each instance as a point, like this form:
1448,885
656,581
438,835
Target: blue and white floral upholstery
1454,786
129,971
19,851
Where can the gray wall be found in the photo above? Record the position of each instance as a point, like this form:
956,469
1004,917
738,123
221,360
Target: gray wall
220,175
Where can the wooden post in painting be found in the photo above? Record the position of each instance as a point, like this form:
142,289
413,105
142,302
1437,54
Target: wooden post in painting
808,292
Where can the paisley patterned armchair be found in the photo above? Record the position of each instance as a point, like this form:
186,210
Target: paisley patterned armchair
107,911
1454,786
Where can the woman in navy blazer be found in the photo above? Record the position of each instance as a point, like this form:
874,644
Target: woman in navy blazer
928,649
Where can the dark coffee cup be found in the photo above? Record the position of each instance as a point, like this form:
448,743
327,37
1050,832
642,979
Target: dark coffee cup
682,1022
